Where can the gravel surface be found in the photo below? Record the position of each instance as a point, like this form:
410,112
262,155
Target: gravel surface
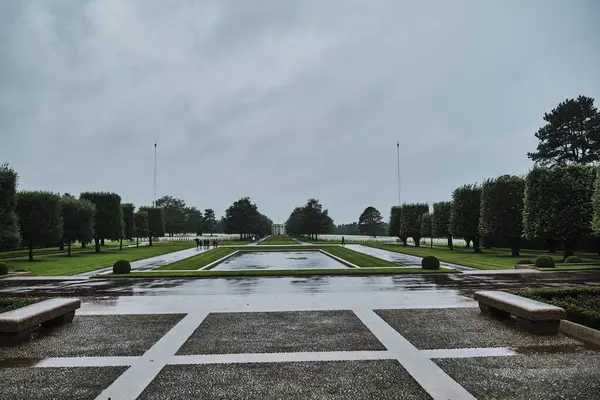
528,377
382,379
464,328
96,335
56,383
278,332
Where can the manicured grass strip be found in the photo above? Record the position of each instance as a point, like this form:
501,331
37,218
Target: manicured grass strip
282,272
12,303
84,262
360,259
487,259
279,239
582,304
200,260
75,248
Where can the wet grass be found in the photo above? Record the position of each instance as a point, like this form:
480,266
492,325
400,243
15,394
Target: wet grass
75,248
203,259
84,262
271,272
582,304
12,303
279,240
487,259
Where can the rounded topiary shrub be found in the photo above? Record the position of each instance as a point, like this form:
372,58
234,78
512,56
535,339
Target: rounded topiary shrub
3,269
544,262
573,260
122,267
430,262
525,262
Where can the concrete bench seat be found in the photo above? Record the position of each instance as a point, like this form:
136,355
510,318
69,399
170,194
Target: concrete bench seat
17,325
534,316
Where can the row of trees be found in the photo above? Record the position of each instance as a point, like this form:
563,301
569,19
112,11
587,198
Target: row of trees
309,220
559,204
243,218
179,218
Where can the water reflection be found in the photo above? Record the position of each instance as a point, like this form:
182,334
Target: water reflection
279,260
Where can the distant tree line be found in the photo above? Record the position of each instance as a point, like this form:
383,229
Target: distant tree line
36,218
556,203
309,220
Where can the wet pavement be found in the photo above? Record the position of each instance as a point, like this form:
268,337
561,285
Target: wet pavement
321,337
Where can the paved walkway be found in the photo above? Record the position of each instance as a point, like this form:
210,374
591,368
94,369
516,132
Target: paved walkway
315,337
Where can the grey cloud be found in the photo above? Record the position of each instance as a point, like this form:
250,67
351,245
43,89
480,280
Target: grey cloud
284,100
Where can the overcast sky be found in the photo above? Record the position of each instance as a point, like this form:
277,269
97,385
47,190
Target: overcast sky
284,100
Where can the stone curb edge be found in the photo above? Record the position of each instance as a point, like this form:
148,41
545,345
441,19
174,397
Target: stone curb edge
580,332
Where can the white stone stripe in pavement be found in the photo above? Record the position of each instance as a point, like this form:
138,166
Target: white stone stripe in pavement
270,357
133,381
432,378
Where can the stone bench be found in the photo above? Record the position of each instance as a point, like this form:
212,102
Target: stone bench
534,316
17,325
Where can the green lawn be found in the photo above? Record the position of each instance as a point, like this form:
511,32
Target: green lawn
279,240
283,272
200,260
203,259
487,259
567,267
75,248
84,262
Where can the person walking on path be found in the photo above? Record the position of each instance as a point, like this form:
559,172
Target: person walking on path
343,241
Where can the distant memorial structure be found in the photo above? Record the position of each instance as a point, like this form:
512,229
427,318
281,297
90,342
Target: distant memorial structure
278,229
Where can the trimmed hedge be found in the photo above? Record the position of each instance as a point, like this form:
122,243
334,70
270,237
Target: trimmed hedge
122,267
544,262
3,269
573,260
430,262
582,304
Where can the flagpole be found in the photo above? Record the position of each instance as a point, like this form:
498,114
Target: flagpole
398,155
154,202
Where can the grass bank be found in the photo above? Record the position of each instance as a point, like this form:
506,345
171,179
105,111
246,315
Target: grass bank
271,272
89,261
203,259
487,259
75,248
279,240
582,304
12,303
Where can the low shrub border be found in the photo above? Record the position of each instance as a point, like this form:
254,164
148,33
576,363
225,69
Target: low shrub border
12,303
582,304
544,262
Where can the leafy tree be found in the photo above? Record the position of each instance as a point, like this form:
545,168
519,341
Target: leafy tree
40,218
596,205
174,212
156,222
294,224
78,220
128,211
395,222
141,226
558,204
426,223
369,221
410,220
347,229
441,221
464,219
193,220
264,226
210,222
502,210
243,218
108,220
10,236
571,134
310,220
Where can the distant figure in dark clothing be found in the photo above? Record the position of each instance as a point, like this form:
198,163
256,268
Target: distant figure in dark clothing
197,243
343,241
